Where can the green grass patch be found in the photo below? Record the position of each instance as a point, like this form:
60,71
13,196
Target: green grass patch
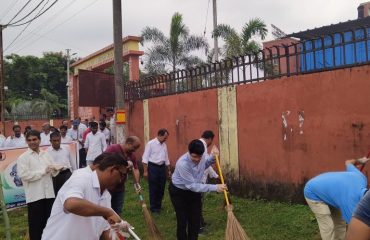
261,220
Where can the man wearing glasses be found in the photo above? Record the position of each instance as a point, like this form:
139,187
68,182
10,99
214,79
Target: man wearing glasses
82,209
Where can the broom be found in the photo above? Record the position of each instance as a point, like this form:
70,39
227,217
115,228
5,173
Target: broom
234,230
153,231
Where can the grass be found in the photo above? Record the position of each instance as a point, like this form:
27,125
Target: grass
261,220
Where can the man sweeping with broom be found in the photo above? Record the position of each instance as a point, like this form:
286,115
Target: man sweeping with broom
186,188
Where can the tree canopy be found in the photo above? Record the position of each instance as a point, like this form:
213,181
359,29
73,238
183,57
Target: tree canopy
36,79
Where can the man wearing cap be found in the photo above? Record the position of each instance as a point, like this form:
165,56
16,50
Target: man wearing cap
333,197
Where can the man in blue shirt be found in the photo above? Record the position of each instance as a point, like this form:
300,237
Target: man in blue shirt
186,188
333,196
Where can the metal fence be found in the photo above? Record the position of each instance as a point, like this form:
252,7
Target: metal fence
34,116
329,52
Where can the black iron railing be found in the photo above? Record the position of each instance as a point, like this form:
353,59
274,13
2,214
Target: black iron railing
334,51
34,116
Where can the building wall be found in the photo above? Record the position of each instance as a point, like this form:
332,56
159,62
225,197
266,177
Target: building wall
288,130
277,49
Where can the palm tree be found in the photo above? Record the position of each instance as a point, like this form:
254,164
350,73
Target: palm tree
241,44
175,50
49,104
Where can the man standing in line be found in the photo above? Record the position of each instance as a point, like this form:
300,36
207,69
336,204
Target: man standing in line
103,129
333,197
35,168
95,143
126,150
62,156
16,140
76,134
82,207
155,161
63,134
186,188
45,135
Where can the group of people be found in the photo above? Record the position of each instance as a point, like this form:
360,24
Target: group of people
63,198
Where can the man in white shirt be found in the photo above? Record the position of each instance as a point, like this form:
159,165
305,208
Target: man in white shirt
16,140
103,129
63,134
45,135
155,162
207,140
62,156
35,168
82,207
95,143
76,133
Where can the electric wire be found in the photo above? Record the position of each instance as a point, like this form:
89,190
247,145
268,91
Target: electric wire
25,5
37,16
37,6
20,33
8,9
57,26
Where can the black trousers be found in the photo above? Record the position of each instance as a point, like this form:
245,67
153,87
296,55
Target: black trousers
157,184
38,214
187,206
82,155
60,179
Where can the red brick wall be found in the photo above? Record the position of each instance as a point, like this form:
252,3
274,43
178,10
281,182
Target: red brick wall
36,124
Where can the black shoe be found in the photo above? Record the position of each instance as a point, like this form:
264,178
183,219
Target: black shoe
201,230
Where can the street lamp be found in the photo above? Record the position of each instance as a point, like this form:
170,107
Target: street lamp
68,82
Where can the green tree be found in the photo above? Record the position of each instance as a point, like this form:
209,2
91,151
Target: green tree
26,76
241,44
173,52
49,104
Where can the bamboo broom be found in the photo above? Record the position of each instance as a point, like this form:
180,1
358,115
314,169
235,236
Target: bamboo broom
153,231
234,230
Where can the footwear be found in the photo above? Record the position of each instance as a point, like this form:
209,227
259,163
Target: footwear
201,230
158,211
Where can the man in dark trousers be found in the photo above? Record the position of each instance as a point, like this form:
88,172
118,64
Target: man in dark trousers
186,188
155,161
126,150
36,167
63,158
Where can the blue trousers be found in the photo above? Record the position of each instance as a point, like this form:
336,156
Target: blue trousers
157,184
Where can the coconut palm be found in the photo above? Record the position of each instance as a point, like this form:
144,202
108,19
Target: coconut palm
49,104
173,52
241,44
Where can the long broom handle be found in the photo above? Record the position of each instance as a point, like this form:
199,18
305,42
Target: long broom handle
222,178
133,234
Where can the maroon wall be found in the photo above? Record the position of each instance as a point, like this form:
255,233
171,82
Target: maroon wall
185,116
336,127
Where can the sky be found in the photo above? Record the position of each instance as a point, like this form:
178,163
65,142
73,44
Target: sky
85,26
